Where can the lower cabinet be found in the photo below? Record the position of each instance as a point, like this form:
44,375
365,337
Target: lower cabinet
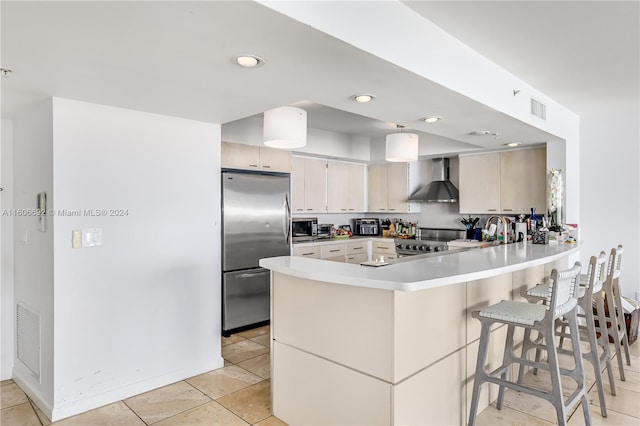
387,249
356,251
307,251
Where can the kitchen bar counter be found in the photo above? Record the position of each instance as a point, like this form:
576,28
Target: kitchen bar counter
425,272
393,344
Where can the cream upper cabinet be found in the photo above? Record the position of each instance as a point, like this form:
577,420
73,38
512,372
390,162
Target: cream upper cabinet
308,185
275,160
479,183
510,182
377,188
251,157
523,181
297,185
345,187
390,185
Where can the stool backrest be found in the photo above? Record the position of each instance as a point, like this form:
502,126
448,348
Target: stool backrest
562,296
615,259
596,272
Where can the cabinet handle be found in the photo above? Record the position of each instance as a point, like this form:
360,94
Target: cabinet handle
508,210
392,210
357,248
344,210
253,165
266,167
299,210
333,251
382,248
309,210
351,210
308,254
492,210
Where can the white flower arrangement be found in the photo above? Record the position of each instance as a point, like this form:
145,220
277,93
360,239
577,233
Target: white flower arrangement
554,193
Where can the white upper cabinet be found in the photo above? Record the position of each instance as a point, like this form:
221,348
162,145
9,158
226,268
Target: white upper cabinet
308,185
479,183
523,181
252,157
390,185
345,187
510,182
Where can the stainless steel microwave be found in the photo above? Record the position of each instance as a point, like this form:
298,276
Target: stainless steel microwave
304,228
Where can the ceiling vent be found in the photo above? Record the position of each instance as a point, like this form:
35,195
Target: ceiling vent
538,109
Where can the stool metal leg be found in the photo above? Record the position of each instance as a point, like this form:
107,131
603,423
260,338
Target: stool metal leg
507,359
604,340
480,372
572,318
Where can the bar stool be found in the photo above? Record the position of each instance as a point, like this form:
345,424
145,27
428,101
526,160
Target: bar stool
616,326
589,292
561,301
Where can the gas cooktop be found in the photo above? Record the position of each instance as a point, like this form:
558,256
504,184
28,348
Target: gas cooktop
428,240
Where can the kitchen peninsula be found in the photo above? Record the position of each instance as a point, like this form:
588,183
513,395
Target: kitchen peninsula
394,344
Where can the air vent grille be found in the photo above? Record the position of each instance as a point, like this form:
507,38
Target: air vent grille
28,338
538,109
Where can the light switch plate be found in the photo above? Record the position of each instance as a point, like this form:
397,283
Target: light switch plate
76,238
91,237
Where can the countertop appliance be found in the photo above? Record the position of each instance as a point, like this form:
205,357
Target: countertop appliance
304,229
369,227
428,240
324,230
255,224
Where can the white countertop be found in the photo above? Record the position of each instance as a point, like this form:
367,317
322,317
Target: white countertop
423,273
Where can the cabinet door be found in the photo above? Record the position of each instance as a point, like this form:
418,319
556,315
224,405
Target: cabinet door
377,188
275,160
315,186
297,185
523,181
398,187
355,188
307,251
239,156
337,187
330,251
479,181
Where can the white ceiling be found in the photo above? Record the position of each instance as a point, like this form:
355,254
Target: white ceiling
174,58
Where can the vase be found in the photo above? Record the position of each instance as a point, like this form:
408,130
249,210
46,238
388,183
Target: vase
471,234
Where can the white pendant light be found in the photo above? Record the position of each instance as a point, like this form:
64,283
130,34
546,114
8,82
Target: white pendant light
401,147
285,128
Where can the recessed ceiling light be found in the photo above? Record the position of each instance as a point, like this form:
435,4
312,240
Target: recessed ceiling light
364,98
432,119
248,61
512,144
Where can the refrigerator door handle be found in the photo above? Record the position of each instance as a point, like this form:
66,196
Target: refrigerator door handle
252,274
287,223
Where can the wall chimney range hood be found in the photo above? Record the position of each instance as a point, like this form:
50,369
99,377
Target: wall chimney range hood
440,189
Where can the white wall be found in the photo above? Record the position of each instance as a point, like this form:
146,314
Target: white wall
7,313
33,250
142,310
610,182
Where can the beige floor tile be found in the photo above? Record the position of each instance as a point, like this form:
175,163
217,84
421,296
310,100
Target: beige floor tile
223,381
10,395
19,415
114,414
271,421
631,383
165,402
491,416
625,402
207,414
264,340
6,382
255,332
241,351
252,404
44,420
234,338
260,365
634,349
227,363
613,418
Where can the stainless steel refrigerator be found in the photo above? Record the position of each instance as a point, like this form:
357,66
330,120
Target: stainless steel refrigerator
256,223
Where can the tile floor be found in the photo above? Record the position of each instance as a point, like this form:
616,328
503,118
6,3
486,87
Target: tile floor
239,394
